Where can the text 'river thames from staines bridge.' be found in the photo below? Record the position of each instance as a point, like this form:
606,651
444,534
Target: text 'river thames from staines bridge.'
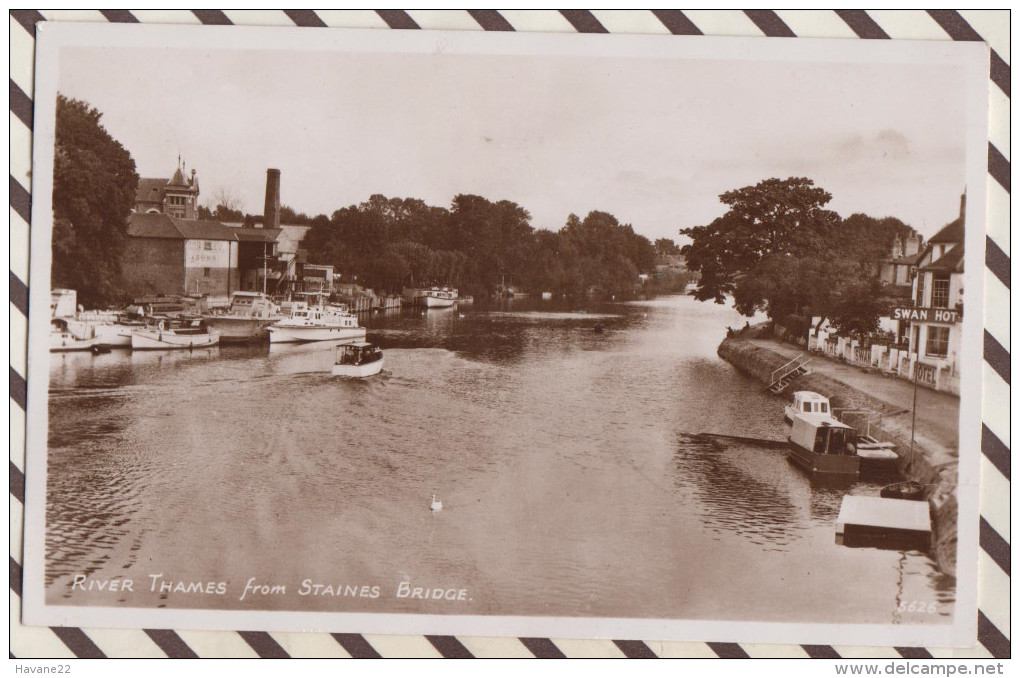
572,478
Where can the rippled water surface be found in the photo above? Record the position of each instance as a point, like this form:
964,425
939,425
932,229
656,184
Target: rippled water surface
570,465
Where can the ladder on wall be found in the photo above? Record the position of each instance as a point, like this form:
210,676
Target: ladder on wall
785,374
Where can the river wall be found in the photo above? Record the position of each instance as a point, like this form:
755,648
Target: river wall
933,463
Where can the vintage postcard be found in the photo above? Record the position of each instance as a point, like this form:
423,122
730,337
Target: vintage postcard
506,334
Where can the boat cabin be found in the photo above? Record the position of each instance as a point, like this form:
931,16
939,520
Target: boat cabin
252,305
824,436
808,403
358,353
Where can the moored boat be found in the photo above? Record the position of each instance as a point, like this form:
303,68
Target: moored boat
807,404
439,298
825,448
884,522
316,323
63,340
878,459
358,359
908,489
176,333
247,318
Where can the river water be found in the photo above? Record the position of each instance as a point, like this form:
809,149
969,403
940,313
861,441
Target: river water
573,478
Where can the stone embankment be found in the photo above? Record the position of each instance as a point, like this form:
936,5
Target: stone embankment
930,461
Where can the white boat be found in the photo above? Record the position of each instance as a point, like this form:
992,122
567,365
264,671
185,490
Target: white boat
63,340
824,447
247,318
111,328
174,334
439,298
316,323
808,404
358,359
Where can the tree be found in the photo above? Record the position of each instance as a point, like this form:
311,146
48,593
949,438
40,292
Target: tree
94,186
665,247
227,199
774,217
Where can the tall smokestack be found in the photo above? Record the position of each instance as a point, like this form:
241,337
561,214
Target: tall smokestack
271,213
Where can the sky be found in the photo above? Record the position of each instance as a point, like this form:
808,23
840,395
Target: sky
653,141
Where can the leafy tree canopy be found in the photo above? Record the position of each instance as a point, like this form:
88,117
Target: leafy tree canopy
478,245
777,250
665,247
94,186
774,217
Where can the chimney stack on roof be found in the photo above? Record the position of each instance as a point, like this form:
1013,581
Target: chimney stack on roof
963,204
271,213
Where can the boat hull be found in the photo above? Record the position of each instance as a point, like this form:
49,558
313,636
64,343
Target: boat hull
436,302
834,466
281,334
359,371
65,343
240,330
156,340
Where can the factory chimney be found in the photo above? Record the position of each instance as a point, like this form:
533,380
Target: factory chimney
271,213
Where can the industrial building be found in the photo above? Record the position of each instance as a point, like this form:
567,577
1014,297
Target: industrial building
168,251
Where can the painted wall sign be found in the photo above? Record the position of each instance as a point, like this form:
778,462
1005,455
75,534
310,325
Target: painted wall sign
928,315
207,253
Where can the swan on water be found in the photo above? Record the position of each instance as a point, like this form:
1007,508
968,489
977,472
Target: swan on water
436,505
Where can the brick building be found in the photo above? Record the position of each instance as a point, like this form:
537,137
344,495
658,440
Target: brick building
168,255
176,196
170,251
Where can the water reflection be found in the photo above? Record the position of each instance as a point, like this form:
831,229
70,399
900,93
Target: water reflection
737,493
253,461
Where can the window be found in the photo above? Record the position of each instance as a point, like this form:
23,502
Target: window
205,272
938,342
940,291
919,300
820,440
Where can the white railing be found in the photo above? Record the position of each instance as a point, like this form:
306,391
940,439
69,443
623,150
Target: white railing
787,368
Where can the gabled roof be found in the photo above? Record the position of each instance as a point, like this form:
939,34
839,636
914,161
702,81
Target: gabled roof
166,226
910,259
950,233
950,262
150,190
256,234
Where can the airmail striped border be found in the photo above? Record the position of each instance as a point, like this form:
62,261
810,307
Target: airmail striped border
990,26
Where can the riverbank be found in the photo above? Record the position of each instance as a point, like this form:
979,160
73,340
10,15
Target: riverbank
873,404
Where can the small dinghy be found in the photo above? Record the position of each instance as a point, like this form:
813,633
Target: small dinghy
910,489
358,359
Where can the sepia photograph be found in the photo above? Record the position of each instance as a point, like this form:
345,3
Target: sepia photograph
577,335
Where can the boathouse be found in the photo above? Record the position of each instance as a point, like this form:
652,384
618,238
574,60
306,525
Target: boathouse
169,251
169,255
